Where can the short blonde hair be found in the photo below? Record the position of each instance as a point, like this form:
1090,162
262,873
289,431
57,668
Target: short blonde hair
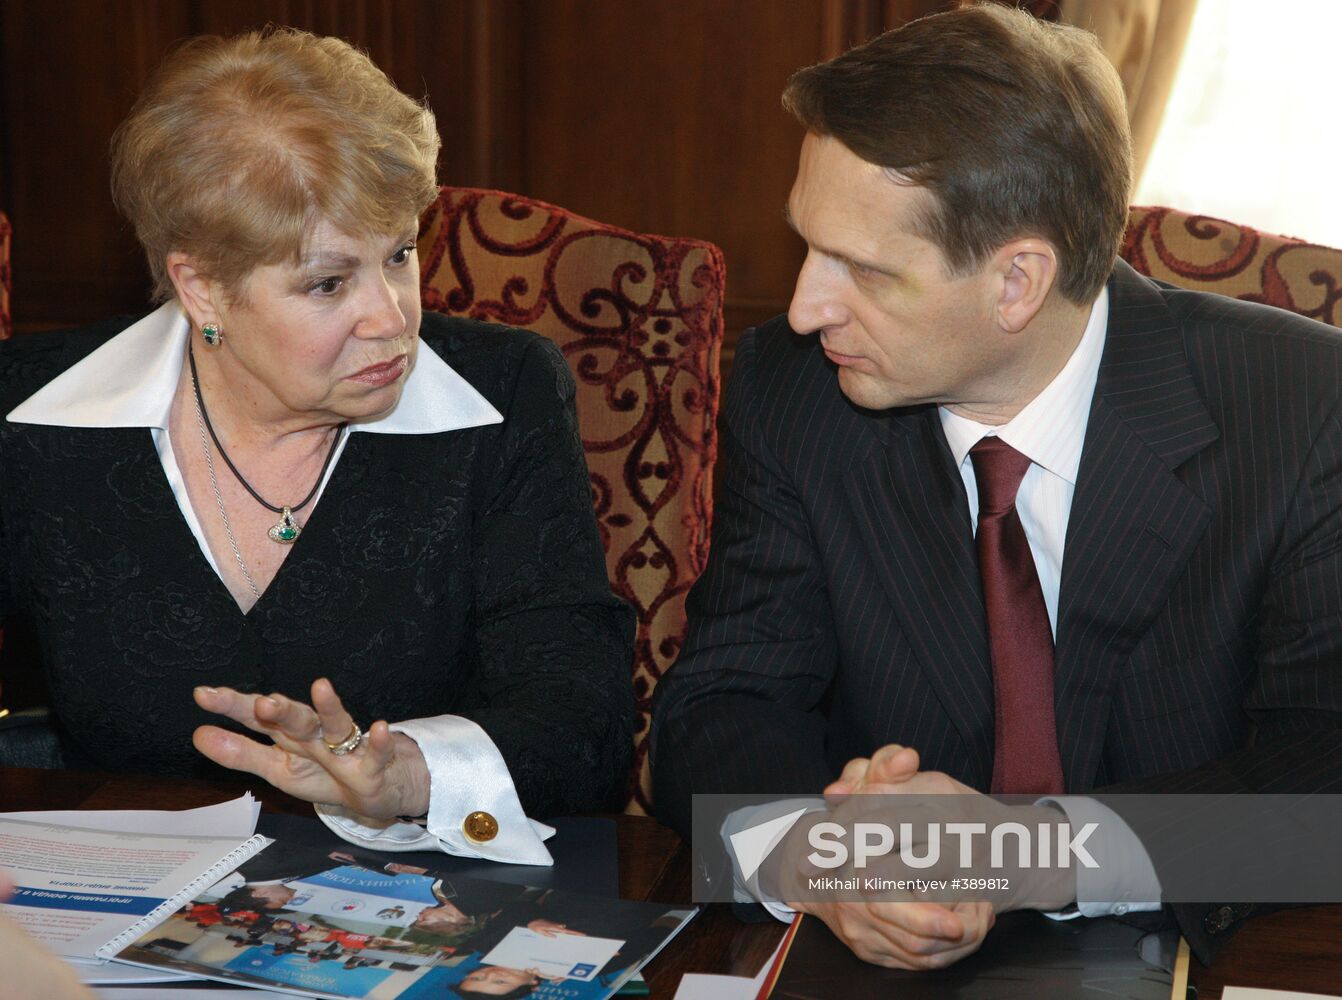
237,146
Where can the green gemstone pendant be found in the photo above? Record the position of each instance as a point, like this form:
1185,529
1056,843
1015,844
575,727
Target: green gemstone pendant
286,530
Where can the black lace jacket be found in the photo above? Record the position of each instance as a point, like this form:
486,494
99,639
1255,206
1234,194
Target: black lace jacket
442,573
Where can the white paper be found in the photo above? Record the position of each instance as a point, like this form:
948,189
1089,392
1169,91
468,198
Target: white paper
1251,993
702,986
224,819
134,993
76,889
567,956
112,973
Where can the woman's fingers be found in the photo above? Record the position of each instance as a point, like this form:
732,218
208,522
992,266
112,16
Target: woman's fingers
287,772
368,779
266,714
336,723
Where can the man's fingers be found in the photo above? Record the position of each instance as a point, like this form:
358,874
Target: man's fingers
850,778
922,920
892,764
894,943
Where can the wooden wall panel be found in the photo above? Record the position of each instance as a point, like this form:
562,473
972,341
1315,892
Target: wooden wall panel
668,119
70,71
662,116
64,91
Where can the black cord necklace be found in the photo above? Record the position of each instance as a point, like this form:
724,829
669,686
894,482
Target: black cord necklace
286,530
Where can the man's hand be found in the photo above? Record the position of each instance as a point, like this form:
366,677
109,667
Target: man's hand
891,765
902,930
899,934
863,790
907,935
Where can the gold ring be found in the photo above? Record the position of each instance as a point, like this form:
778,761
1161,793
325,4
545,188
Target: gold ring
349,744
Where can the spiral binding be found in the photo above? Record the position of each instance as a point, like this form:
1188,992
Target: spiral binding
169,906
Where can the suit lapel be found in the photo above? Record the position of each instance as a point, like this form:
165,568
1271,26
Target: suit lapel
909,503
1134,524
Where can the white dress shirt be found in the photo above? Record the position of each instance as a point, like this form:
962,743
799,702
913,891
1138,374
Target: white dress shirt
130,382
1050,430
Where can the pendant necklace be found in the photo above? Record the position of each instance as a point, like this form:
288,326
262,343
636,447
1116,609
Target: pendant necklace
286,530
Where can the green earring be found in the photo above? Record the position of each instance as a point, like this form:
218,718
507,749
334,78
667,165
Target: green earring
212,334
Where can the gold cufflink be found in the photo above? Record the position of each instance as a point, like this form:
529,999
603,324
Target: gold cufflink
480,827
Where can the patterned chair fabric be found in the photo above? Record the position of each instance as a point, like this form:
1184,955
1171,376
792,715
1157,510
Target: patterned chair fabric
640,320
1206,254
6,324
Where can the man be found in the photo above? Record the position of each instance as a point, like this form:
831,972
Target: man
1000,514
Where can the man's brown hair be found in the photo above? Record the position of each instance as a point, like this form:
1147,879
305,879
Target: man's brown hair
1017,127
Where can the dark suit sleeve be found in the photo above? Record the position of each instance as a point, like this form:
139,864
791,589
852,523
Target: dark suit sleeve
741,708
1295,698
553,689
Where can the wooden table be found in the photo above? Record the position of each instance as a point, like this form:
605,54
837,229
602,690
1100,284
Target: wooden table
1293,949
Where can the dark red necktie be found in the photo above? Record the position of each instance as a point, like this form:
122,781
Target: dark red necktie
1025,753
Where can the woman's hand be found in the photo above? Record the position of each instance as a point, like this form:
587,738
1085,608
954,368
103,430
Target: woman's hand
382,778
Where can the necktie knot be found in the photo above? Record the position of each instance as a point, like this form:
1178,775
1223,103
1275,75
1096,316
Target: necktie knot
998,471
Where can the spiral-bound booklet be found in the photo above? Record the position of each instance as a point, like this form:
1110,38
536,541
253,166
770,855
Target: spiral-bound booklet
87,893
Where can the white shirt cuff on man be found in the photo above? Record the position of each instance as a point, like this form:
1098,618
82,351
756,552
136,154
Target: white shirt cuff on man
748,890
1127,881
467,774
1126,884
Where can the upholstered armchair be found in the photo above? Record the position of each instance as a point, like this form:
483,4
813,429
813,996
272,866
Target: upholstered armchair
1206,254
6,324
639,319
26,740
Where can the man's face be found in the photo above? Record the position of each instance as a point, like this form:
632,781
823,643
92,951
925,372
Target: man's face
900,330
442,918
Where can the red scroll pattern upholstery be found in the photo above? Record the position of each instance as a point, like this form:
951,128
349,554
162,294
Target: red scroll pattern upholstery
1206,254
6,324
640,320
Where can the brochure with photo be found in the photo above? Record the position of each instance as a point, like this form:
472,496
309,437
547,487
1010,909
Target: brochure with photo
347,924
85,893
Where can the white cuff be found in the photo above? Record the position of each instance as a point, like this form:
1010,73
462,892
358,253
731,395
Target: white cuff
467,775
748,890
1126,882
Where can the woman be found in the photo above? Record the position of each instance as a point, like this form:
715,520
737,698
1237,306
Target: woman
288,480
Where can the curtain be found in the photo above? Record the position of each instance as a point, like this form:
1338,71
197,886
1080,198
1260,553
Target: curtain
1144,39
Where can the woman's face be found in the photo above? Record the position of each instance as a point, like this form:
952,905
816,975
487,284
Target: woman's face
331,337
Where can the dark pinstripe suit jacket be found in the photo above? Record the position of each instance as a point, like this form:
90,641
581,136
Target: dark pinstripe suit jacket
1199,639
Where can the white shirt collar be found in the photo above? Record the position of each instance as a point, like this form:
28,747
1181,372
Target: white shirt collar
1051,428
130,381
